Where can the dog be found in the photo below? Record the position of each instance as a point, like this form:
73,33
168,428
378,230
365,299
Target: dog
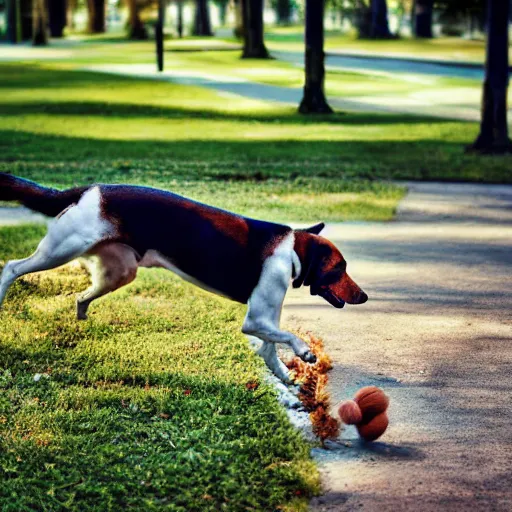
119,228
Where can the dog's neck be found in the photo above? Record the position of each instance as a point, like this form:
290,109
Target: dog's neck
302,247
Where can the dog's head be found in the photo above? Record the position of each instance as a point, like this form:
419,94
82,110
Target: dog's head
324,269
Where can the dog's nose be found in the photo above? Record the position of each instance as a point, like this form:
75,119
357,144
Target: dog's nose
362,298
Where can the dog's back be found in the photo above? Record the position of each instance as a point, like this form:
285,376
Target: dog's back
220,249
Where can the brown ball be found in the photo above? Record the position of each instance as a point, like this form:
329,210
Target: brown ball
372,401
350,413
374,428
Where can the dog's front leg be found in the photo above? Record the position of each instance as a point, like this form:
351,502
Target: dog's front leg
264,312
269,354
272,335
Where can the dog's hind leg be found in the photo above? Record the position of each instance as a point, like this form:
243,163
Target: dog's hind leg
111,266
69,236
47,256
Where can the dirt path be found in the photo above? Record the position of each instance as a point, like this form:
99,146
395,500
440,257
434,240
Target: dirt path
436,335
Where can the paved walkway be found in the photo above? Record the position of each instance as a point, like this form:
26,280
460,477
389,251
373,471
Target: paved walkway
424,103
364,62
436,335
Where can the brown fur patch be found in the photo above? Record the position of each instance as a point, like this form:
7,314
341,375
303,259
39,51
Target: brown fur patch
230,224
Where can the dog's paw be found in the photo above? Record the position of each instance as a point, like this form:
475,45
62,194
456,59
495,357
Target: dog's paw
284,376
308,357
81,315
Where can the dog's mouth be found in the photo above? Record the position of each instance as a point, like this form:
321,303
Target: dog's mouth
331,298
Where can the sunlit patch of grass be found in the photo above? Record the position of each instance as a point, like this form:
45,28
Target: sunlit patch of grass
143,406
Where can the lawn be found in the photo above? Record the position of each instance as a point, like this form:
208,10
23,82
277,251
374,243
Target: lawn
442,48
141,407
65,127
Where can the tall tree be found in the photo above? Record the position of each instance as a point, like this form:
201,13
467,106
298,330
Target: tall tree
39,23
379,19
238,30
371,19
254,44
493,136
96,21
57,17
18,17
179,6
283,10
202,24
71,6
136,29
159,35
314,98
422,18
12,16
223,7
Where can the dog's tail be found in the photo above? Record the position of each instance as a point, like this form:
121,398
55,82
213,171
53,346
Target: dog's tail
48,201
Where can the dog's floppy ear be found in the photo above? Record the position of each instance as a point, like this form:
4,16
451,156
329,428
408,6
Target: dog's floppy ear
316,229
310,258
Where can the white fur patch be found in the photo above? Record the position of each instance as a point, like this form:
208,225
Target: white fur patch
267,298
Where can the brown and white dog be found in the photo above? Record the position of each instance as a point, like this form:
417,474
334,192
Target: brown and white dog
118,228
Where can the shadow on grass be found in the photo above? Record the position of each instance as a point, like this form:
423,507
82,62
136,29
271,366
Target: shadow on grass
273,158
133,110
257,160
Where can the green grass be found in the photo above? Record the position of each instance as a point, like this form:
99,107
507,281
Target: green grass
65,127
141,407
448,48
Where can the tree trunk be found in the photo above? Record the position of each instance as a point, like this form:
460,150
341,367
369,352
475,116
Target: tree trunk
96,22
57,17
493,137
136,29
179,5
363,20
202,25
423,18
25,27
314,101
19,20
39,23
379,24
238,31
70,13
159,36
254,45
223,7
283,11
12,17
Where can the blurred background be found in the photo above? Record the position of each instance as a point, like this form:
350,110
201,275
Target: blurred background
383,18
